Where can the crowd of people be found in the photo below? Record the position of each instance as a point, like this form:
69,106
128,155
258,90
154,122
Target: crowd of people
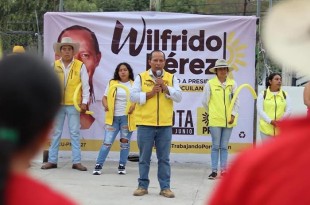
129,104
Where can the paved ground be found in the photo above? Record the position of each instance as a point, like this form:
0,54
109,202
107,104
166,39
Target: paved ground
189,180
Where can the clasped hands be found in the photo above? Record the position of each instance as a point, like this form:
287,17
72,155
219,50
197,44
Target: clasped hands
274,123
159,86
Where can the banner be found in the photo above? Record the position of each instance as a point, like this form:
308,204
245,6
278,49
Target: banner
191,43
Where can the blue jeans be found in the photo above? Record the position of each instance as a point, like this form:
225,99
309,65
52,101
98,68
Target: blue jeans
146,137
120,123
220,138
74,128
265,137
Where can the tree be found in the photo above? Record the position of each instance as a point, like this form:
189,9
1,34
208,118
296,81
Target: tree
21,21
123,5
81,5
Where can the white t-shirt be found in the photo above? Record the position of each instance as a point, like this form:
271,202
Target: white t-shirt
120,99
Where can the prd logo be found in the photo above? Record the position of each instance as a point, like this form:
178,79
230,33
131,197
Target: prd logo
202,122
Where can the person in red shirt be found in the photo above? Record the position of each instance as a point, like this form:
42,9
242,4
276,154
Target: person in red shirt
274,173
30,95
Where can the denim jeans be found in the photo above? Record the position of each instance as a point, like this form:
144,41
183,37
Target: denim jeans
120,124
161,136
265,137
74,128
220,138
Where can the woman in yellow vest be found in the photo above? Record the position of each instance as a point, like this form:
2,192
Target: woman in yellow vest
217,95
115,101
273,104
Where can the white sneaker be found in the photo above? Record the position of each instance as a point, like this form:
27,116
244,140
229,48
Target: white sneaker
121,169
97,170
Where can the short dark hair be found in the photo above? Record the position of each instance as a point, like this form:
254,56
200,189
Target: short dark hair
151,54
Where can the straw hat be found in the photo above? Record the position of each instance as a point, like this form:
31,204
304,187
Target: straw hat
286,34
66,41
18,49
221,63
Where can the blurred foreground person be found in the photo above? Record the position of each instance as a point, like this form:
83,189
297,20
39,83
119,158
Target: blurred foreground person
277,173
30,96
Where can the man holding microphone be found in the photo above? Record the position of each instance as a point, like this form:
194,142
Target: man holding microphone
154,91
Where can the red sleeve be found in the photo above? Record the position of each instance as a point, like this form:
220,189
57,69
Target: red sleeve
232,189
272,174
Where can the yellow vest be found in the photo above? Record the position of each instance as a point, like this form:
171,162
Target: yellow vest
111,103
274,106
74,79
158,110
219,103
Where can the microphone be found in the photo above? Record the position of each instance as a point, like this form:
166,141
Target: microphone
158,73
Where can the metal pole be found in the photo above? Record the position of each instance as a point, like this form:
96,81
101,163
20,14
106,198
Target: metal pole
40,47
258,8
155,5
270,4
61,5
38,34
1,48
244,7
258,44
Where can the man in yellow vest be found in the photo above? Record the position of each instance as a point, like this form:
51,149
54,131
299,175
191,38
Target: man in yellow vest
89,53
154,91
71,73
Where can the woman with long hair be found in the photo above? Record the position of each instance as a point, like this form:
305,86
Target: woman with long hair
273,105
115,101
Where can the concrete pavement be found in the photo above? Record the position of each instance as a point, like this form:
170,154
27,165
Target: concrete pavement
189,180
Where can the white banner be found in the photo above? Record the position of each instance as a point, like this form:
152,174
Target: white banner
192,44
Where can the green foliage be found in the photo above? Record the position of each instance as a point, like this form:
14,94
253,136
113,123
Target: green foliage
81,5
213,7
121,5
18,22
183,6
